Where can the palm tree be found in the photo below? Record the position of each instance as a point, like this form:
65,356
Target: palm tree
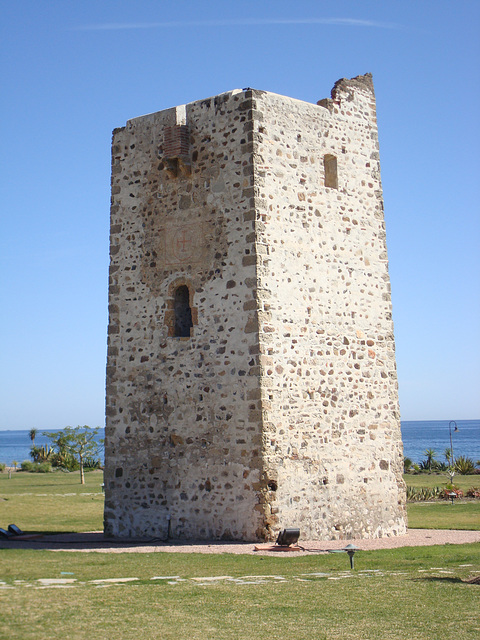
430,453
33,434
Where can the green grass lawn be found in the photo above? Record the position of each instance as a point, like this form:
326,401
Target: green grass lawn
430,480
396,594
391,595
443,515
52,502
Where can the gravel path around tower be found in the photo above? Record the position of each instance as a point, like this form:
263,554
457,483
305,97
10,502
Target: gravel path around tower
95,541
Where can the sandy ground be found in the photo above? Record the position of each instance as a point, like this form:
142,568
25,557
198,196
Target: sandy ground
95,541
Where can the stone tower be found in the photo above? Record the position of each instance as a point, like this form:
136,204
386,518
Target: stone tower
251,380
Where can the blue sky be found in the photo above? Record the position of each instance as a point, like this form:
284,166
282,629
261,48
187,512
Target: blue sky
73,71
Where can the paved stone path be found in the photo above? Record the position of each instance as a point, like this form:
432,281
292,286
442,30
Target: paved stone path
208,581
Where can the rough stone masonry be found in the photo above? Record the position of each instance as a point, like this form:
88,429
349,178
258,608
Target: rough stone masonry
251,379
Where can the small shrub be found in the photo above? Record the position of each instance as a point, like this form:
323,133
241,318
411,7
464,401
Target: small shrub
43,467
36,467
65,461
2,467
451,489
91,463
415,494
411,493
41,454
432,465
474,492
464,466
407,465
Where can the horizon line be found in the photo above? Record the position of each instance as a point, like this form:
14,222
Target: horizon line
459,420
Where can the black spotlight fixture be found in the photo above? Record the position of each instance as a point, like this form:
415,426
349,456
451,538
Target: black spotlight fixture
288,537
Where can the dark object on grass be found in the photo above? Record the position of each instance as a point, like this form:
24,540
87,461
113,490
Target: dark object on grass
452,495
287,537
350,549
5,534
14,530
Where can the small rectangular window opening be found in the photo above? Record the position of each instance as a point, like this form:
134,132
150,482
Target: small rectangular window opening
183,313
331,175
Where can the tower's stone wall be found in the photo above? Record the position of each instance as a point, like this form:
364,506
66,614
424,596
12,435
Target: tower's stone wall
329,385
183,432
280,408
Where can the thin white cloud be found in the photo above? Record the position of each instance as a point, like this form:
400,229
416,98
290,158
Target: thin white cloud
345,22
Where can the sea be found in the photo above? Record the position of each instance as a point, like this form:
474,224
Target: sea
16,444
418,435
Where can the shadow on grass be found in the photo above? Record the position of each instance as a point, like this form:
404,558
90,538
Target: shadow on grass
72,540
441,579
97,540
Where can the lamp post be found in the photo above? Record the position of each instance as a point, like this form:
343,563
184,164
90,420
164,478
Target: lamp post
451,443
451,470
350,549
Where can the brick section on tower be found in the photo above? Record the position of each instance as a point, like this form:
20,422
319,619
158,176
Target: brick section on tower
176,141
